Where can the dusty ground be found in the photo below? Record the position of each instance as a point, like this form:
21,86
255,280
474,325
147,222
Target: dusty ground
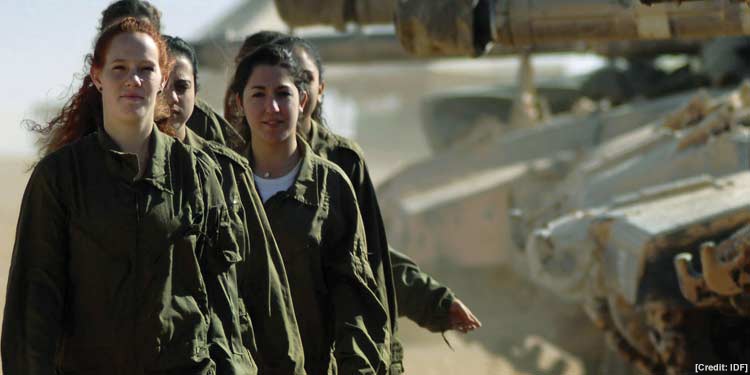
525,331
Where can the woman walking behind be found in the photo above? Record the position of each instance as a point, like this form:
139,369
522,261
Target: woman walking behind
314,216
267,326
418,296
116,226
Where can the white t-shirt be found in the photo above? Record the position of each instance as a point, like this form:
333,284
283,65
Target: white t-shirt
270,186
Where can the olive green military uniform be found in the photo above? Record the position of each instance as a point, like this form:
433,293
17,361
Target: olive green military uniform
319,232
266,324
427,300
420,297
109,275
209,125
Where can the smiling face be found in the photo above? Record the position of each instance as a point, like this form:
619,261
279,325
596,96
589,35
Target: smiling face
130,79
180,92
272,104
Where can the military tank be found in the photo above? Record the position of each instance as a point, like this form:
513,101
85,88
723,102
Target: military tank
610,238
481,219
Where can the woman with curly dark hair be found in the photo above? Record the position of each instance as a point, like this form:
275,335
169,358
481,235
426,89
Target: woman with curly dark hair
232,112
140,9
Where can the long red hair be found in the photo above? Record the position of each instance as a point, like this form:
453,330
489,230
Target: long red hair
82,114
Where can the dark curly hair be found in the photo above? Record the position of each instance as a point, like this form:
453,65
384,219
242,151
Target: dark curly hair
270,54
130,8
232,113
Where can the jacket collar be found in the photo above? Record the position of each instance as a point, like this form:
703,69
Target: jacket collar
193,139
314,138
125,165
232,138
305,188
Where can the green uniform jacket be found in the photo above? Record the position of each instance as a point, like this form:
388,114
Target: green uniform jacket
420,297
108,275
266,324
417,295
321,238
209,125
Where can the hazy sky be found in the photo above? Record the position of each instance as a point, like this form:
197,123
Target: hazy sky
43,44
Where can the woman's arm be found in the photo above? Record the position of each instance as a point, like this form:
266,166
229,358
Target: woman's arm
420,297
32,324
361,324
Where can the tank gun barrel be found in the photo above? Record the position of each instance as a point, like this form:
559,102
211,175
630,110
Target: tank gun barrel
431,28
523,23
532,22
649,2
360,48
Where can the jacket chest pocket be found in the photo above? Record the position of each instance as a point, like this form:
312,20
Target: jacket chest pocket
222,247
185,269
298,231
222,256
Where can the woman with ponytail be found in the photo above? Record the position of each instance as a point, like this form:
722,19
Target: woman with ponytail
409,290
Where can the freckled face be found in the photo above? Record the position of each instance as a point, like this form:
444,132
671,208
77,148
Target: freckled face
180,92
130,78
272,104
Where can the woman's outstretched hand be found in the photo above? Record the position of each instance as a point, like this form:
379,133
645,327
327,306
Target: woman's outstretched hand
461,318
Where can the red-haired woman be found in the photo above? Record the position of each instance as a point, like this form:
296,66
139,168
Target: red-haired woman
205,121
120,230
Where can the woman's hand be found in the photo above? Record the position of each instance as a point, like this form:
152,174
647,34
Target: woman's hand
461,318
